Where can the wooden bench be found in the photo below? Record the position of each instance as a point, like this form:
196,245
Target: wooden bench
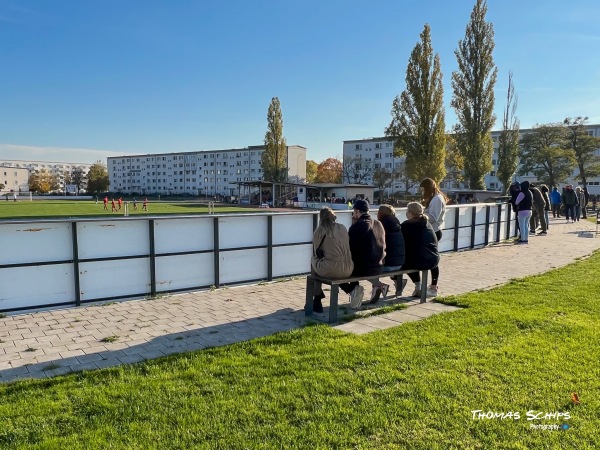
335,287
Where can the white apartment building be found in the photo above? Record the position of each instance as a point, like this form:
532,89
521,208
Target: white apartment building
207,172
14,179
379,153
55,168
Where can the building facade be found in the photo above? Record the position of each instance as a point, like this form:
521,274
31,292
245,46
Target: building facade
210,172
28,168
375,153
14,179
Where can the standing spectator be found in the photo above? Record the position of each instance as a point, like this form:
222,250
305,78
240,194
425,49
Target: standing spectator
331,253
555,201
544,190
15,196
421,244
537,216
514,190
580,202
394,249
113,205
586,199
106,203
524,202
145,205
435,210
569,199
367,245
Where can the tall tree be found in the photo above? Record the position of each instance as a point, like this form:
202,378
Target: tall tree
417,125
356,170
274,158
454,160
473,97
97,178
78,178
543,153
329,171
401,174
508,143
382,179
311,171
584,148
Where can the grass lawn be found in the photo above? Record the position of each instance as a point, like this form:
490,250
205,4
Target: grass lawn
522,347
86,208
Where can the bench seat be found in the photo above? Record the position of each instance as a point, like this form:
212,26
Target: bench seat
335,285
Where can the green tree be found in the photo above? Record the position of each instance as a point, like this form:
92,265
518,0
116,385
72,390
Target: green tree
508,143
329,171
78,178
97,178
311,171
417,125
274,158
454,160
584,148
473,97
401,174
543,153
382,179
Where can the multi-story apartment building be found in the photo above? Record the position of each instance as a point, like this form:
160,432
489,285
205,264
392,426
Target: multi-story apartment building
375,153
58,169
14,179
209,172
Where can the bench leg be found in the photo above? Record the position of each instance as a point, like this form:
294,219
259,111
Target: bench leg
333,303
424,285
310,289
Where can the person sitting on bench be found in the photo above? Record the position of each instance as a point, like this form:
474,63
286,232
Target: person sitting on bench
420,243
331,253
367,246
394,249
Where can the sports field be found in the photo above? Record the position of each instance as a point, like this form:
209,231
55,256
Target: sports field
89,208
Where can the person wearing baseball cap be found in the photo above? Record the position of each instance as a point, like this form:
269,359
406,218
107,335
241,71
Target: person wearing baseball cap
367,246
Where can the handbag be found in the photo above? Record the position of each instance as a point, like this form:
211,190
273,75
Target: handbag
319,251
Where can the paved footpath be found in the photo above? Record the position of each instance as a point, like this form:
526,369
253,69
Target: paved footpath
48,343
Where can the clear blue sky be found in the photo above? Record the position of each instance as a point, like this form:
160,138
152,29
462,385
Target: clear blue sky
82,80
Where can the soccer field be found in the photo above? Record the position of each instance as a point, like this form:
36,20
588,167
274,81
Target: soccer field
89,208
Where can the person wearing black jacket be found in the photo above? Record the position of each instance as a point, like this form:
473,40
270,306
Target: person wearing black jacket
524,202
420,244
394,249
514,190
367,246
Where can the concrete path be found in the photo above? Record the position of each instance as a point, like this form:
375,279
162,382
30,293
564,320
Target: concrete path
48,343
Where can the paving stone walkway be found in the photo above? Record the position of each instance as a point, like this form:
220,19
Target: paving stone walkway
48,343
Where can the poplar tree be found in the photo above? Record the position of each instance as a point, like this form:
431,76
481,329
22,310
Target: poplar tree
508,145
417,125
473,97
274,158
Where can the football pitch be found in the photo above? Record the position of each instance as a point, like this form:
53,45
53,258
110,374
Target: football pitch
89,208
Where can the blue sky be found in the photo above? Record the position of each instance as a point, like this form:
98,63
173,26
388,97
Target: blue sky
82,80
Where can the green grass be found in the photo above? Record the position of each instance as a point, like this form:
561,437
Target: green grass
87,208
524,346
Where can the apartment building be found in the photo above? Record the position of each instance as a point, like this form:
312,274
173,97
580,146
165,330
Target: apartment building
375,153
27,168
14,179
207,172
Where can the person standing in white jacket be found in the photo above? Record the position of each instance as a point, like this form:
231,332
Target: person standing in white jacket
435,210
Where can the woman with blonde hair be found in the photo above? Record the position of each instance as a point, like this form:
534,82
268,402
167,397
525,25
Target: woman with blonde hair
331,253
435,209
394,249
420,243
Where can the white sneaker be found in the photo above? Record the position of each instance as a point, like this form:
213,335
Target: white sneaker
356,297
417,291
432,291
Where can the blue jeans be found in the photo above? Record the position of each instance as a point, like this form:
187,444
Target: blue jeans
524,225
570,212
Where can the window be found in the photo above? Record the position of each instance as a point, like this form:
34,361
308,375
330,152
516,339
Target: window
377,145
377,155
358,147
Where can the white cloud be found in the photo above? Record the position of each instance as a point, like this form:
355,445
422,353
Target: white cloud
55,154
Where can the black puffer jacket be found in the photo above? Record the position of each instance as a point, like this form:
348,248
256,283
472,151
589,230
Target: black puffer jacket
421,245
367,245
394,241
